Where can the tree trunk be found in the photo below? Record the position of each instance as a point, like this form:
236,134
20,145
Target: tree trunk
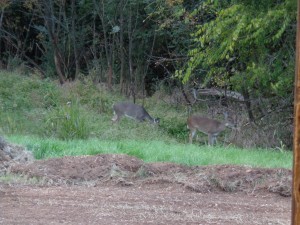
122,55
1,21
130,46
101,13
73,17
48,14
57,61
248,104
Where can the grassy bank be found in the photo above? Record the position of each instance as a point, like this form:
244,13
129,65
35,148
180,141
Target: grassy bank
75,119
78,110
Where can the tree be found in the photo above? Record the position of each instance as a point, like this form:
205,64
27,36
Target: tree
244,45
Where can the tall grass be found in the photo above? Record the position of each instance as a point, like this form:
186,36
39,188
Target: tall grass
68,122
158,151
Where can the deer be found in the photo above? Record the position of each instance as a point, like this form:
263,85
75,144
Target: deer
209,126
132,111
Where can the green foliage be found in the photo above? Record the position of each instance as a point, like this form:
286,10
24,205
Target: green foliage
172,23
236,43
245,44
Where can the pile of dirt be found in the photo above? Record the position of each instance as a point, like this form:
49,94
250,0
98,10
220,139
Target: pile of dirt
124,170
121,189
11,154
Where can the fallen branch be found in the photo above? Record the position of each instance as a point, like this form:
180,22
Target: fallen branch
218,92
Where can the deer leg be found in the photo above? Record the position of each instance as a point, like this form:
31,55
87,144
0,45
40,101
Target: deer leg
215,139
191,136
115,118
210,139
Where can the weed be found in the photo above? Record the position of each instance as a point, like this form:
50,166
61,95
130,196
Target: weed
68,122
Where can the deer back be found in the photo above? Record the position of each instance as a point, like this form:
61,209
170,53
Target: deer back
132,110
206,125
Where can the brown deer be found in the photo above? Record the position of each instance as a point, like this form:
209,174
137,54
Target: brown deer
132,111
211,127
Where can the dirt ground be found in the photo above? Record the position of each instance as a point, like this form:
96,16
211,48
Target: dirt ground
121,189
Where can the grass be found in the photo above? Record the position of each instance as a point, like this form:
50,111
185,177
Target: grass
35,113
157,151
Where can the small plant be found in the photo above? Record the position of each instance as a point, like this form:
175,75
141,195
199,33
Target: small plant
38,151
68,122
45,149
143,172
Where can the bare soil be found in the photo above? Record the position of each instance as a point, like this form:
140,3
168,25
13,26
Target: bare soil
121,189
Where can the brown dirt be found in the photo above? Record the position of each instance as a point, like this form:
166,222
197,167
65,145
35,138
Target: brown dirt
120,189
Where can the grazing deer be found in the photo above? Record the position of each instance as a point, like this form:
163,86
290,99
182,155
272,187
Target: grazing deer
132,111
208,126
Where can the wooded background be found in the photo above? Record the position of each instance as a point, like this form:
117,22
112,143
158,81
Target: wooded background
241,53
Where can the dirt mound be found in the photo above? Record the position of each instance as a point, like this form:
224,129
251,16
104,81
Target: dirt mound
78,169
11,154
120,189
104,169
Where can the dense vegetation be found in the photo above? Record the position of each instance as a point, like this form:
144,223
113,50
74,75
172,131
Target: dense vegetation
202,53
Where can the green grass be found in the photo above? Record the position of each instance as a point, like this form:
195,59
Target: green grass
157,151
35,113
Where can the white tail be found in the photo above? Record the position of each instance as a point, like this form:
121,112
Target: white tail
208,126
133,111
